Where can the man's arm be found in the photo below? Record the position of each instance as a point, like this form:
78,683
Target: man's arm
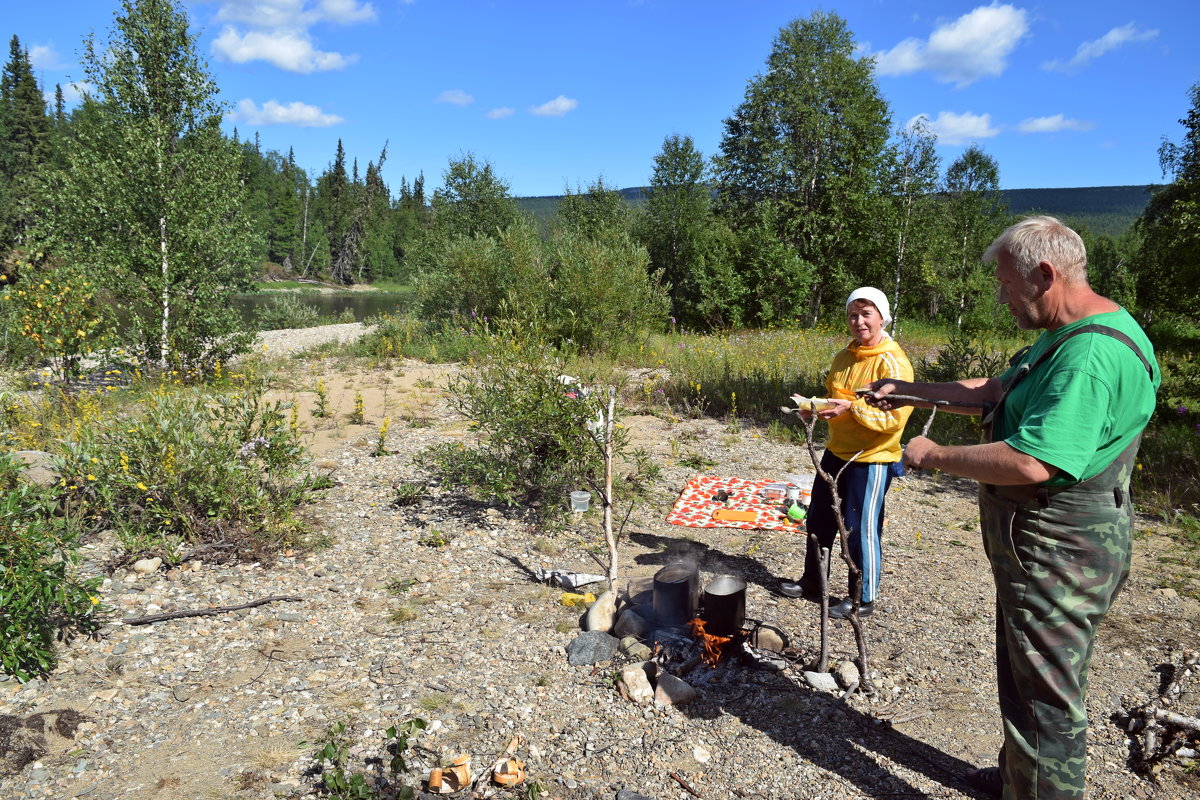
996,463
972,393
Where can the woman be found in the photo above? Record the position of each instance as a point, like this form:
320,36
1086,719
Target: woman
863,447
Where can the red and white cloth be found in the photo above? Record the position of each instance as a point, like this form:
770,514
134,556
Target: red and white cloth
695,506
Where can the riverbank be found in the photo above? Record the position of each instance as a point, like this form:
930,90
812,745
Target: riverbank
431,610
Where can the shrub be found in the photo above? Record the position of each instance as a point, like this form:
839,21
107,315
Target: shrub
61,317
286,311
222,473
535,444
43,598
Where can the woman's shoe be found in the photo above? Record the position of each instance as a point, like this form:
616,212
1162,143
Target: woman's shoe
842,610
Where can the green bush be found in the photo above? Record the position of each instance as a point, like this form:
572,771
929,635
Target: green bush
286,311
535,445
220,472
43,598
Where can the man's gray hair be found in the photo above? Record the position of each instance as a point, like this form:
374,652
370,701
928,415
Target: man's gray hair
1037,239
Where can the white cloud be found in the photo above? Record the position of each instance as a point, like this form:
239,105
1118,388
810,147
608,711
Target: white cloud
501,113
302,115
554,108
974,46
952,128
455,97
1053,124
347,12
43,56
72,94
1089,51
279,31
291,51
294,14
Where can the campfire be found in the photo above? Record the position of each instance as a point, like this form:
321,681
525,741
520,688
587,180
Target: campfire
713,647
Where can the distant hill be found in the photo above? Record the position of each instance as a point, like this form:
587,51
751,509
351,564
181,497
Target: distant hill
1101,209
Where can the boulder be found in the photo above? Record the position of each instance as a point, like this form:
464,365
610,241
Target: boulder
636,679
603,613
673,691
591,647
630,623
39,467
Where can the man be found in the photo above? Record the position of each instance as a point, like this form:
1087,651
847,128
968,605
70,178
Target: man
1065,423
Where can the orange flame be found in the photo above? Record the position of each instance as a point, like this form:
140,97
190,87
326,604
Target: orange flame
714,646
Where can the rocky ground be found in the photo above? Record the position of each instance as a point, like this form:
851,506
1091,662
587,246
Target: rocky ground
431,611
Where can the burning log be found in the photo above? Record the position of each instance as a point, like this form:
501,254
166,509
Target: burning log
713,646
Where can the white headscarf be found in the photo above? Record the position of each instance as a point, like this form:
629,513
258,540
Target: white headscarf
875,298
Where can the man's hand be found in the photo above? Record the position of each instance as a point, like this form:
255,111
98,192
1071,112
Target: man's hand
876,394
917,451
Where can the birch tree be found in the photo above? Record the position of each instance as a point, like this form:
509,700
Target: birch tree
150,199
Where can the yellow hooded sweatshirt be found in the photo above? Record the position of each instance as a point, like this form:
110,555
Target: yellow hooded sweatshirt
873,431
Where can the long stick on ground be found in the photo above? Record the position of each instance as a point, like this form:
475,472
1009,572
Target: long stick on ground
208,612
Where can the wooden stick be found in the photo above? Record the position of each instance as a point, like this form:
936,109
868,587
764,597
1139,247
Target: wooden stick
207,612
684,784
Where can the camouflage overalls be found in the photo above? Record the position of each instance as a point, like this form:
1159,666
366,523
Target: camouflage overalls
1057,569
1059,555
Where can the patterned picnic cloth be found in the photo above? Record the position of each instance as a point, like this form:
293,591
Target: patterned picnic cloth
695,506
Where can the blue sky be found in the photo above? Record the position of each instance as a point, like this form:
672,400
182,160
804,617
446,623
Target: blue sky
556,94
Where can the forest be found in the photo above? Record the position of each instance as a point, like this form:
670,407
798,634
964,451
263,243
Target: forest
814,190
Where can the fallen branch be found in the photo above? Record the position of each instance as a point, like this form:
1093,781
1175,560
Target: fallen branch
684,784
206,612
1164,731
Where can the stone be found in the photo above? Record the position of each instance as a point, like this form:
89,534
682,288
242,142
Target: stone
635,648
1167,592
629,794
630,623
673,691
145,566
39,467
603,613
768,637
847,674
821,681
636,679
591,647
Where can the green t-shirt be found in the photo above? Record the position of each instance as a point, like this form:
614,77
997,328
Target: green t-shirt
1086,403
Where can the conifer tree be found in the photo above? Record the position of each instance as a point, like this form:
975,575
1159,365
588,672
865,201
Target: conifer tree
24,144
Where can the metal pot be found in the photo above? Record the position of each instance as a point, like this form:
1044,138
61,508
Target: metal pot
724,606
675,594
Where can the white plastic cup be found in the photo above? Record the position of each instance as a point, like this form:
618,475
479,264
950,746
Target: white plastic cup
580,501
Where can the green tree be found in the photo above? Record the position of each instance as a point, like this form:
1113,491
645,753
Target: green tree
686,242
598,211
150,199
1170,225
808,138
333,204
473,200
24,144
974,212
909,208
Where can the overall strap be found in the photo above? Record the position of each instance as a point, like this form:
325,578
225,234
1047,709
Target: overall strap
1025,369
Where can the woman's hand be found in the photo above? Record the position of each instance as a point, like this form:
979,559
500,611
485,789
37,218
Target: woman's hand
839,407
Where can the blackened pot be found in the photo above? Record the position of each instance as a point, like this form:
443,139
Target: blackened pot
675,595
724,606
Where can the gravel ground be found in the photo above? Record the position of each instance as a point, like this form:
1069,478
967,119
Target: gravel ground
430,611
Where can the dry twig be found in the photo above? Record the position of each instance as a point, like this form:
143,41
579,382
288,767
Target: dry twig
207,612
